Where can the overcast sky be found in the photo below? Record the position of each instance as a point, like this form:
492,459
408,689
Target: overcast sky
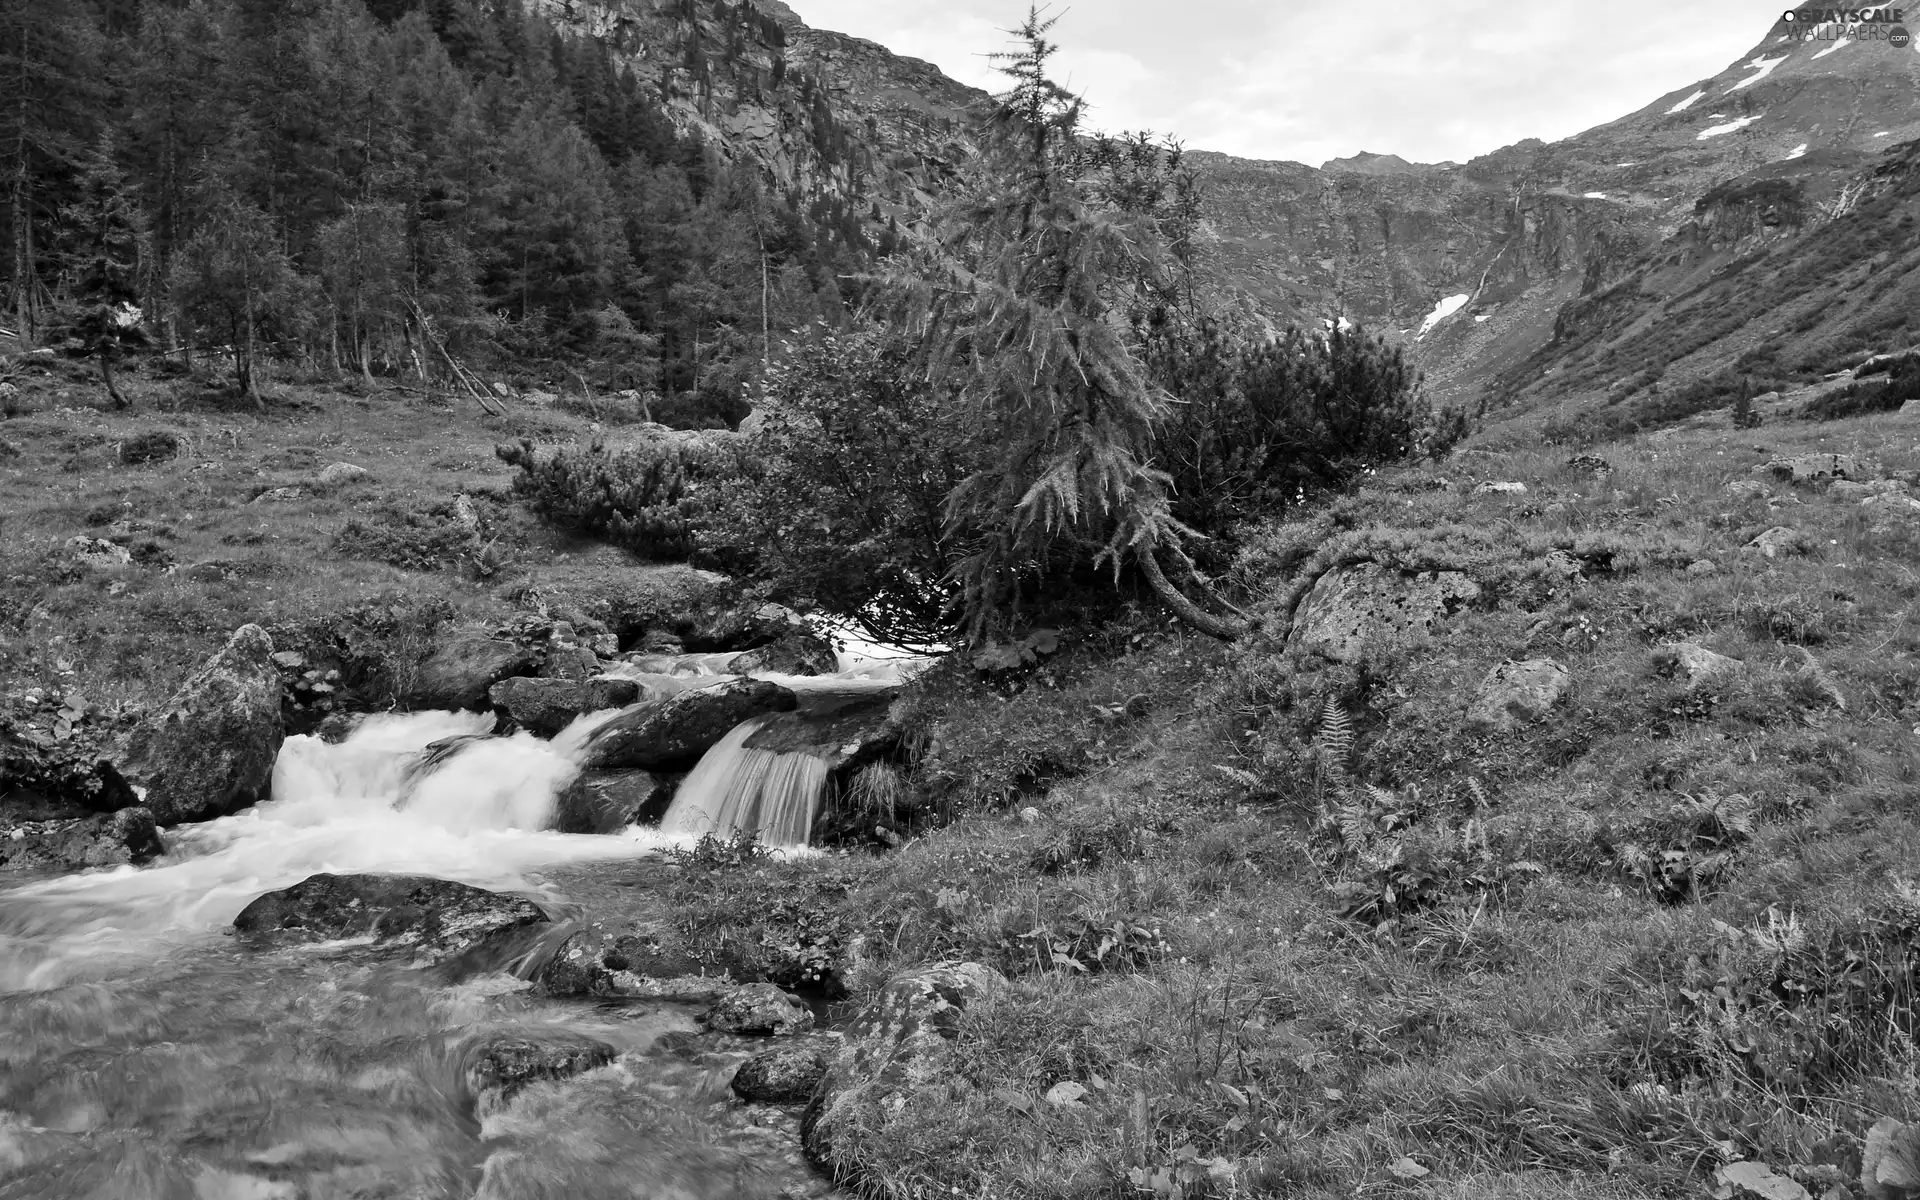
1309,80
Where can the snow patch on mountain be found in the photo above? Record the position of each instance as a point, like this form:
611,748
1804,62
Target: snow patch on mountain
1714,131
1796,152
1689,102
1443,310
1762,68
1832,48
1594,196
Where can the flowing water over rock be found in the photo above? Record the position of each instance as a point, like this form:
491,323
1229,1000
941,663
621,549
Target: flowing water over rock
145,1051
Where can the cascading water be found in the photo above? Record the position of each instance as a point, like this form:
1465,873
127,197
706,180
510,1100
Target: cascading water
737,787
144,1054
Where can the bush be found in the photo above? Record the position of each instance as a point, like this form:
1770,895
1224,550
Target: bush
1863,399
841,500
651,497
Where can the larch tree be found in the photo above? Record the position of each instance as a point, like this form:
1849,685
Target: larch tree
105,246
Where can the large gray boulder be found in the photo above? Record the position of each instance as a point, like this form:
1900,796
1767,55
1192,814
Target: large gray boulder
676,731
898,1048
1351,607
462,667
76,843
1518,693
546,706
434,916
609,801
209,750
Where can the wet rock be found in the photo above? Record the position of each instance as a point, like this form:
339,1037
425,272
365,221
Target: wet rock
897,1047
1748,489
758,1010
435,916
1890,1161
209,750
609,801
570,662
797,652
546,706
1699,666
1779,542
73,844
335,728
98,553
678,730
1352,606
1518,693
341,474
596,962
1815,470
785,1075
461,668
71,772
506,1062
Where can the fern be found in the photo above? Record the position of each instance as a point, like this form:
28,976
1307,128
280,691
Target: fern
1333,744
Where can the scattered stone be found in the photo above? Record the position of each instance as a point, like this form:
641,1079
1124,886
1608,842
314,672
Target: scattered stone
570,662
1910,410
594,962
895,1049
609,801
1353,606
1748,489
678,730
1779,542
1701,666
293,492
759,1010
73,844
1890,1161
157,445
98,553
1563,564
783,1075
8,449
1704,566
213,570
1590,462
1815,470
1848,490
505,1063
341,474
546,706
1518,693
1891,504
1755,1181
1492,488
209,750
797,652
460,670
289,660
437,916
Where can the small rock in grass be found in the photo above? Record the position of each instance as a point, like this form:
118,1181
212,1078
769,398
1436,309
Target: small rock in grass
1779,542
1890,1161
1516,693
1506,488
1814,470
1704,566
1755,1181
1748,489
340,474
1701,666
98,553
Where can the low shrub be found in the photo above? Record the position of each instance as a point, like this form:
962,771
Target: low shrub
651,497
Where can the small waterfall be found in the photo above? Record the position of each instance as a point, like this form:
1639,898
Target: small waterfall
774,793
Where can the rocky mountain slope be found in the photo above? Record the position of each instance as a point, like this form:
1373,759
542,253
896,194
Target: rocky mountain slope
1532,274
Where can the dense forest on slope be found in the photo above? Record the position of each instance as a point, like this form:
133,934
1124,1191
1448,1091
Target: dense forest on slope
362,183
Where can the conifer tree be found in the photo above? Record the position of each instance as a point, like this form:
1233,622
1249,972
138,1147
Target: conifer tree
1027,319
106,241
232,280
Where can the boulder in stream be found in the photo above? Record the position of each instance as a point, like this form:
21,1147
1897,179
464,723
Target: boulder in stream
209,750
634,965
78,842
675,732
897,1050
609,801
796,652
435,916
785,1075
546,706
462,667
758,1010
504,1063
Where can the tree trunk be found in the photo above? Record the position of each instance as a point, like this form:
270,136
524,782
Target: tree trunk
1225,628
106,373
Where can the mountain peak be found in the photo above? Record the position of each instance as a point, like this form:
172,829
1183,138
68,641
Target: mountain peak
1368,163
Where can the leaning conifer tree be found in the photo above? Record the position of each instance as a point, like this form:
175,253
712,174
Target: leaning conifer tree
1024,315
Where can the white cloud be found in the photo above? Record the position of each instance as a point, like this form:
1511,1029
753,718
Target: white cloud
1304,80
